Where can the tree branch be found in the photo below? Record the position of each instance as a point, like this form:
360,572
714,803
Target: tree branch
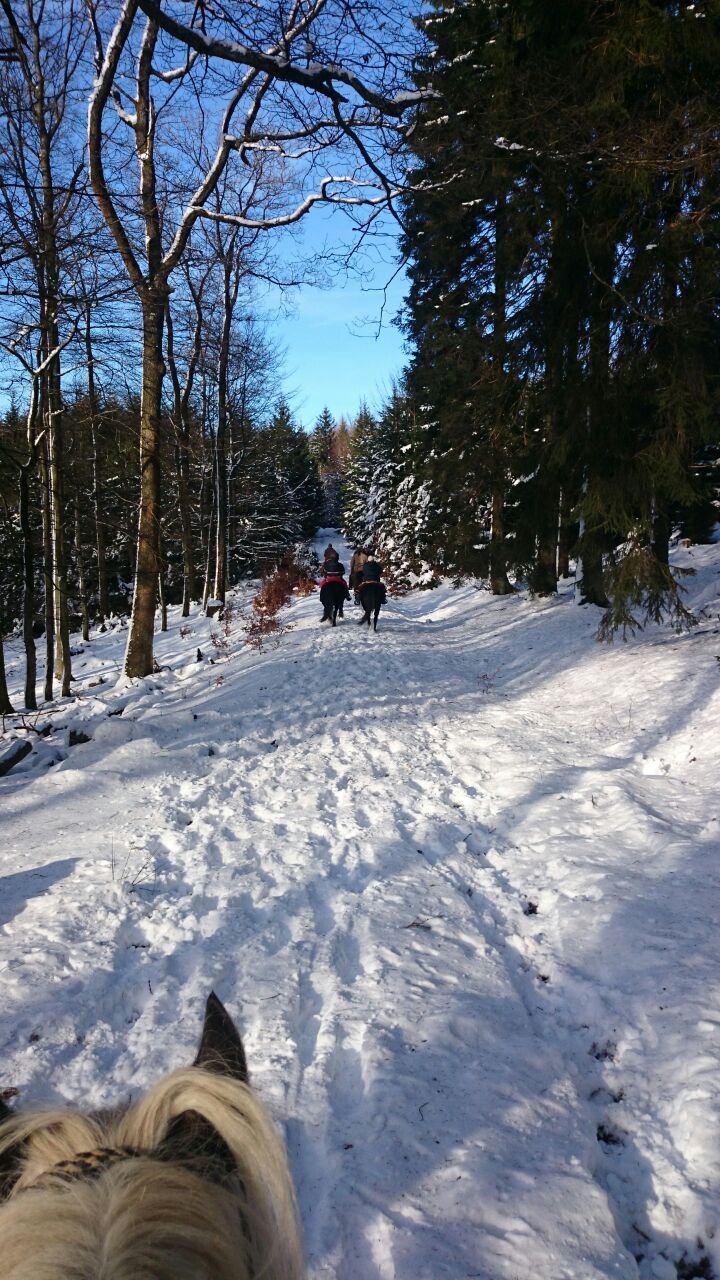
321,79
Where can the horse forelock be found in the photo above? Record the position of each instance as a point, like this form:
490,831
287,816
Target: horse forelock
133,1195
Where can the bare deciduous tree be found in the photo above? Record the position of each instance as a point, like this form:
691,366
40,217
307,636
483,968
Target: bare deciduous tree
300,102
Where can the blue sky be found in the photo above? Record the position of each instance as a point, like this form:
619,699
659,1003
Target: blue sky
340,349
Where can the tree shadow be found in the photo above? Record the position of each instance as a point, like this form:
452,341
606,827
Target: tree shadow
17,889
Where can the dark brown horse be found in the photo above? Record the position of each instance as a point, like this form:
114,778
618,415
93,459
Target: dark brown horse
372,598
332,598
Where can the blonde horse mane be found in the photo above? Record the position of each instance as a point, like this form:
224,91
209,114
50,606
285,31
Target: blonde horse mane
189,1183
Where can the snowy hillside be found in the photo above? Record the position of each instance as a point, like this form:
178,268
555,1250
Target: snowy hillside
458,882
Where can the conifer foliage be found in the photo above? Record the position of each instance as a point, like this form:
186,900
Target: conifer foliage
562,234
328,452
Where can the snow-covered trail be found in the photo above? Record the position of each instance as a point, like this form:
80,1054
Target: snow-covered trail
455,878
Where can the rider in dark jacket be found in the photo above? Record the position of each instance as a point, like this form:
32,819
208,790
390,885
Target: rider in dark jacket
372,571
371,576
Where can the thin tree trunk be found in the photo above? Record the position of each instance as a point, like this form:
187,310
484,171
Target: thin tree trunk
231,281
63,671
221,508
183,481
592,587
162,596
208,562
544,578
6,707
49,604
139,654
49,293
181,402
499,582
28,590
100,532
593,540
589,577
162,586
563,550
82,581
661,536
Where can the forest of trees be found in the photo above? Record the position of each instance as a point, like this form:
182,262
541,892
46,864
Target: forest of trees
556,173
147,163
562,230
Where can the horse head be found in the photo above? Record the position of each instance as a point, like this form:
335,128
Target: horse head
191,1179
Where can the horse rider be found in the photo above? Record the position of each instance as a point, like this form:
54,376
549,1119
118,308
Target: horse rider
357,564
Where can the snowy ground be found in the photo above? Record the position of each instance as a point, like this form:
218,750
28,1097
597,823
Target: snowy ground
457,880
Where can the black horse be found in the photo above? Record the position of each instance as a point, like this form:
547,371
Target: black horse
332,598
372,598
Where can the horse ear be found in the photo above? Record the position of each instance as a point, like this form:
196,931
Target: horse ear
221,1049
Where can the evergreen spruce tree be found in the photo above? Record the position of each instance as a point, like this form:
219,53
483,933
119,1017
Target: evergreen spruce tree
562,233
362,463
324,453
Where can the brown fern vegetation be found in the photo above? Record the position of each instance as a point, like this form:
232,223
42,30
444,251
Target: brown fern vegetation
276,591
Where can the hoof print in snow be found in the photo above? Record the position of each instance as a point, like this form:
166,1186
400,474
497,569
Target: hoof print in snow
530,908
77,737
33,1037
198,658
609,1137
604,1052
543,977
348,1146
418,924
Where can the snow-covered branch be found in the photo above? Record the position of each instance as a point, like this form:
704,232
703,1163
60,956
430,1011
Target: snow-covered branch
322,79
316,197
